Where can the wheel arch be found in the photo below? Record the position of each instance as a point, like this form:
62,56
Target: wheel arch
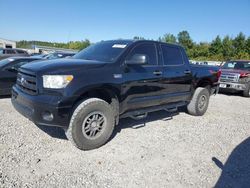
205,83
108,93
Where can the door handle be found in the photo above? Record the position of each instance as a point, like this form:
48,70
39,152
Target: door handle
187,72
157,73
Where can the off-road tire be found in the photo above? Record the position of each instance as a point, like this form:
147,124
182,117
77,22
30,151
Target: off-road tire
193,107
75,132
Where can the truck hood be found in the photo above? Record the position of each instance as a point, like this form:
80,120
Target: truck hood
61,65
235,71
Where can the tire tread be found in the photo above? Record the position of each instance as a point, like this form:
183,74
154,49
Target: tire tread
192,106
83,104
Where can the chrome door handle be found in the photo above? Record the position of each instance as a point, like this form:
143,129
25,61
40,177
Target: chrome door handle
157,73
187,72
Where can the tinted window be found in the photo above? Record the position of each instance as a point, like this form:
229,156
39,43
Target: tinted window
1,51
20,52
145,49
237,65
10,52
171,55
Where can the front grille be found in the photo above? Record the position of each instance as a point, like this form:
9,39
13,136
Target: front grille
27,82
229,77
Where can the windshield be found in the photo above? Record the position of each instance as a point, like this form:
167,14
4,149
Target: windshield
5,62
107,51
237,65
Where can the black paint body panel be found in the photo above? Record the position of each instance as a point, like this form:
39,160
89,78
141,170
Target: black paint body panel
136,86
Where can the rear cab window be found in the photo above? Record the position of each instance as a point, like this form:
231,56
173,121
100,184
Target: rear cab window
172,55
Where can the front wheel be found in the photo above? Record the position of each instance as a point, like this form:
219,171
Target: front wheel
91,124
199,103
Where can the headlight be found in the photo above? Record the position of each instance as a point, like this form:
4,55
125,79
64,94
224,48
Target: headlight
56,81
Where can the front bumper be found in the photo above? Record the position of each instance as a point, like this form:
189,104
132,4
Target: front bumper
232,86
42,109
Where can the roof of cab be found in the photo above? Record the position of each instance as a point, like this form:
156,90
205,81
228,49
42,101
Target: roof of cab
130,41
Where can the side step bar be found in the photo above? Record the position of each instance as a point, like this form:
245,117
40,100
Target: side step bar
142,113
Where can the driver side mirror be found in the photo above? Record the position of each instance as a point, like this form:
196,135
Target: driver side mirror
137,59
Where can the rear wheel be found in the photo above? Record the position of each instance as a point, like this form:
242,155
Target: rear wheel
199,103
91,124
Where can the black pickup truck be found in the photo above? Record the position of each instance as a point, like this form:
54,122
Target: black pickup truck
87,95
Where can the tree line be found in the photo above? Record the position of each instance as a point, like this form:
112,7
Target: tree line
219,49
75,45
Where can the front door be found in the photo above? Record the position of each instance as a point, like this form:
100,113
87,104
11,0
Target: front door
142,83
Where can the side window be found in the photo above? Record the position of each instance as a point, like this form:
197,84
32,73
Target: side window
1,51
10,52
171,55
20,52
146,49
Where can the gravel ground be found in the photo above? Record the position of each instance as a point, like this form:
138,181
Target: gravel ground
160,151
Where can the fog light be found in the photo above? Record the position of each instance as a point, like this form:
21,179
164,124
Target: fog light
47,116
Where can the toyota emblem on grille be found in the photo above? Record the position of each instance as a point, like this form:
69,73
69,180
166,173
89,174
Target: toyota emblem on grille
22,81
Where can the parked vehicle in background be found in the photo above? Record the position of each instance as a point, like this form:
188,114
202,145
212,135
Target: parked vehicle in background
12,52
39,55
88,93
57,55
8,72
210,63
235,77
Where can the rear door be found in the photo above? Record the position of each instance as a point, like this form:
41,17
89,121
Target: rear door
142,83
177,75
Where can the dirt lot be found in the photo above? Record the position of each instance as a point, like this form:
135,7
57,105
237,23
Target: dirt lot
160,151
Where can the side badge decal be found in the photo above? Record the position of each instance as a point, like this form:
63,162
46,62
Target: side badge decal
117,75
